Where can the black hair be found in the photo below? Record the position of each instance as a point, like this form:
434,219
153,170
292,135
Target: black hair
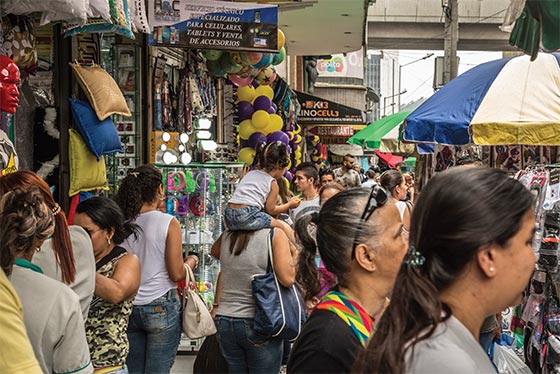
309,170
460,211
391,179
238,240
106,214
326,171
338,223
24,217
271,156
138,187
370,174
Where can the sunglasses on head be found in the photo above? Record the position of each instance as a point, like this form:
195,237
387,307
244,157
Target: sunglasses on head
377,198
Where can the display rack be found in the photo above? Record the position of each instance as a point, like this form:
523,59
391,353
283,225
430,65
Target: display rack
196,195
127,74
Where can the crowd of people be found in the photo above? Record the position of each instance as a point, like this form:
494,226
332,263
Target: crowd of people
392,282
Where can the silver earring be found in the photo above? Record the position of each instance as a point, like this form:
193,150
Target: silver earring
491,269
108,241
38,249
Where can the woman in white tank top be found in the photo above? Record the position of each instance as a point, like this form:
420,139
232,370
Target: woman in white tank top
154,328
393,181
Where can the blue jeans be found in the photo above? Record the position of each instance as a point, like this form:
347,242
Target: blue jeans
154,332
244,350
250,218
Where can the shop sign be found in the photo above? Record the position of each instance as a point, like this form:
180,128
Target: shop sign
334,131
317,110
348,65
208,24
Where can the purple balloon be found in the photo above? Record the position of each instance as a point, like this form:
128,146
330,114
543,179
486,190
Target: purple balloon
273,109
245,110
244,143
256,138
278,136
288,176
262,103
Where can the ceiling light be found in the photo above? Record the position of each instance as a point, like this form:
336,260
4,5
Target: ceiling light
185,158
184,138
204,123
204,135
208,145
169,158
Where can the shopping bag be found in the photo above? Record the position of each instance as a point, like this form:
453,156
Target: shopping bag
210,358
279,311
197,321
507,362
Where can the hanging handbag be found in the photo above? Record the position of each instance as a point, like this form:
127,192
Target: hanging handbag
279,310
197,321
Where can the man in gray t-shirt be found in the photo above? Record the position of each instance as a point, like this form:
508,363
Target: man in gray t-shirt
305,180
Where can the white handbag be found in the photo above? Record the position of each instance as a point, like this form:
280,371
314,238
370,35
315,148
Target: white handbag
197,321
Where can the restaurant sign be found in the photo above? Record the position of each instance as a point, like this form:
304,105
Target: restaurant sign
209,24
317,110
332,131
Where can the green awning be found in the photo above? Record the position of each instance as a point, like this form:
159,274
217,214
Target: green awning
537,26
370,137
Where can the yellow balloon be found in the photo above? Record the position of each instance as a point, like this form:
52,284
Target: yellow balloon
246,155
264,90
281,39
289,165
276,123
246,93
297,129
260,119
246,129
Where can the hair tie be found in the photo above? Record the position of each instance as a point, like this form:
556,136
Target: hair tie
414,258
56,209
134,174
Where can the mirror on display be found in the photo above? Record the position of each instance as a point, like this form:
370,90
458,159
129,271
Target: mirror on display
204,135
184,138
186,158
166,137
208,145
204,124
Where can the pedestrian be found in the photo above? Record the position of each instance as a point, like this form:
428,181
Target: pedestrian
360,240
399,166
243,254
328,191
326,175
67,256
346,175
370,179
258,190
393,181
52,314
410,192
154,328
116,283
470,256
305,180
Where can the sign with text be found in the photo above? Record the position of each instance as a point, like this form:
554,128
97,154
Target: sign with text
207,24
317,110
335,131
349,65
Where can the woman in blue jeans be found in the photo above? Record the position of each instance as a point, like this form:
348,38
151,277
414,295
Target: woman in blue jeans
243,254
154,327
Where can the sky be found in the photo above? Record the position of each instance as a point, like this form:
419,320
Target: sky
417,78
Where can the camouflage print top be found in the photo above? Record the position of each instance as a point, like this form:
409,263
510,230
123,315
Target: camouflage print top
107,323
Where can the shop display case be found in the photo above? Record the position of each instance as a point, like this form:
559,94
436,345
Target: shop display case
127,73
196,195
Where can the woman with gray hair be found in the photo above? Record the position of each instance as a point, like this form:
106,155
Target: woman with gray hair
360,240
52,313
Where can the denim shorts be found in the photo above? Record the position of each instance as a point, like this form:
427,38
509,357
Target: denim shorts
250,218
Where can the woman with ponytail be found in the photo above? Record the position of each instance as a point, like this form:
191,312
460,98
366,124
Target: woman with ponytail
359,236
67,256
470,256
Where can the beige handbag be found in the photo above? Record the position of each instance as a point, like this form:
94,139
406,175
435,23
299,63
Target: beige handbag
197,321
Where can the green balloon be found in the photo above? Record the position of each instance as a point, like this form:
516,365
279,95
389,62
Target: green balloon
279,57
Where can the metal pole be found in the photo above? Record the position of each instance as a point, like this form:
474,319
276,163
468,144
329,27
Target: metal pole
451,37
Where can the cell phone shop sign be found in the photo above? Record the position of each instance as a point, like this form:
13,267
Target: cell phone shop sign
207,24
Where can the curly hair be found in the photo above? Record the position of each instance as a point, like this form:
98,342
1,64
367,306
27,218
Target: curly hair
138,187
24,218
271,156
61,241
